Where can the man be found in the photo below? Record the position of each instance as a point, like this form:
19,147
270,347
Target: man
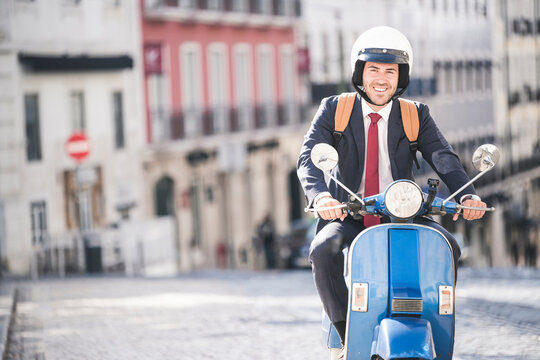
373,152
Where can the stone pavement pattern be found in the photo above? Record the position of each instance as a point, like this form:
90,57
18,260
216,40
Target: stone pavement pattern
243,315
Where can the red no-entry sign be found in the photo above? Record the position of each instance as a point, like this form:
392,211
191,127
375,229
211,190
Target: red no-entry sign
78,146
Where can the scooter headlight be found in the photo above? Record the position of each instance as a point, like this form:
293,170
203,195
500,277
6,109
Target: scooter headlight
403,199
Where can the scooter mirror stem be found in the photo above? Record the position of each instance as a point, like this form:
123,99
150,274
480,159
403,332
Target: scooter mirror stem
344,187
467,184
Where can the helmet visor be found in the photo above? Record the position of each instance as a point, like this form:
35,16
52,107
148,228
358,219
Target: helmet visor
386,56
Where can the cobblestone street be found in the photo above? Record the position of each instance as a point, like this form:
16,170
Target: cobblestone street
243,315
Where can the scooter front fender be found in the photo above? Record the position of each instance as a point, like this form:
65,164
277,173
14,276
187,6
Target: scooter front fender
403,338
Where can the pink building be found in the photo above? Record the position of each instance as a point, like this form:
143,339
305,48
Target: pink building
225,117
218,66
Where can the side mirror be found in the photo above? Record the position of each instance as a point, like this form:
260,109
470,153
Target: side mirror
324,156
485,157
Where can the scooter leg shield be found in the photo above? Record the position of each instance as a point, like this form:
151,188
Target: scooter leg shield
403,338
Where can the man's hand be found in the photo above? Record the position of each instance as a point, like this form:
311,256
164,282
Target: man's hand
328,201
472,214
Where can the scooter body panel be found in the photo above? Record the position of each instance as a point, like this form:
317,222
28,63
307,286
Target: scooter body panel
403,265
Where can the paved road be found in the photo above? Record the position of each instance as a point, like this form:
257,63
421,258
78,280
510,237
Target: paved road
243,315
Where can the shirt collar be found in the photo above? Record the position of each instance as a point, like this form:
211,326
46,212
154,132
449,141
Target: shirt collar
384,112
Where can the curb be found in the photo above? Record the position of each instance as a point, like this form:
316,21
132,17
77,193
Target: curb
8,306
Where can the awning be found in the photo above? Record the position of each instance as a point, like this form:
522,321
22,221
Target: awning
69,63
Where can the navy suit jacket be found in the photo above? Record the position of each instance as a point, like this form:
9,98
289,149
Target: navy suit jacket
351,149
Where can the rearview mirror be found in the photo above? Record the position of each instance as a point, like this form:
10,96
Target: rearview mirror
324,156
485,157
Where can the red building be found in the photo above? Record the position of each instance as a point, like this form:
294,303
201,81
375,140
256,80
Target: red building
217,66
224,93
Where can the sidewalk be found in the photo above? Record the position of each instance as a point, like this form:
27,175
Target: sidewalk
7,310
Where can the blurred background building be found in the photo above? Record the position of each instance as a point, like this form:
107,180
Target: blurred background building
196,110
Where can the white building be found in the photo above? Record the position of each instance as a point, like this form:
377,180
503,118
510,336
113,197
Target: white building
476,65
66,67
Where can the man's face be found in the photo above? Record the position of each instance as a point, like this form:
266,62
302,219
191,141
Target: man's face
380,81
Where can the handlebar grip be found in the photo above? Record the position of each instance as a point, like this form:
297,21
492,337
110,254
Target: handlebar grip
342,206
475,208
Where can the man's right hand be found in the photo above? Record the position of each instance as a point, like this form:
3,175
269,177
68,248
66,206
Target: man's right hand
332,214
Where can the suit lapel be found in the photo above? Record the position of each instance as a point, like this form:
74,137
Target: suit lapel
394,134
357,127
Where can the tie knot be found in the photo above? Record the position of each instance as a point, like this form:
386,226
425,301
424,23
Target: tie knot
374,118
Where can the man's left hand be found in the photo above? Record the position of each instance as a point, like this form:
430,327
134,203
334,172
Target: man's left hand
472,214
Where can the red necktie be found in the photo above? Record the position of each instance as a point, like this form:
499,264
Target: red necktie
371,186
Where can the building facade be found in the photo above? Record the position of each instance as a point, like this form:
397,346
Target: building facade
67,67
476,65
225,116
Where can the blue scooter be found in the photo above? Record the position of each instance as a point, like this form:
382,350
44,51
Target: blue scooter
400,275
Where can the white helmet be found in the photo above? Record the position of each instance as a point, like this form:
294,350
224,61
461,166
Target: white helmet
381,44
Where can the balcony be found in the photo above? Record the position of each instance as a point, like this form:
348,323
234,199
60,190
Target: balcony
254,13
172,125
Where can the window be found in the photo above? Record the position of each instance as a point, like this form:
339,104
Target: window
218,85
33,136
71,2
460,83
154,59
186,4
191,80
448,78
487,77
239,5
38,218
261,6
325,56
266,83
214,4
157,106
243,85
164,197
282,7
287,80
77,111
480,74
118,113
469,76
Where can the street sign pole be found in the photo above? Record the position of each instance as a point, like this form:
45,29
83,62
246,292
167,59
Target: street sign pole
78,148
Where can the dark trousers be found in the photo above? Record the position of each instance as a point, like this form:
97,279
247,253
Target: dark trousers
327,261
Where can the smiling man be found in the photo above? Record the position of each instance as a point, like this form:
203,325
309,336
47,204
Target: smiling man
373,152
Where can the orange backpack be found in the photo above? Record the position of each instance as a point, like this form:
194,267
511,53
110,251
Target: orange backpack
409,118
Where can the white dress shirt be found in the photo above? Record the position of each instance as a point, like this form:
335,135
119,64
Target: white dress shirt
385,171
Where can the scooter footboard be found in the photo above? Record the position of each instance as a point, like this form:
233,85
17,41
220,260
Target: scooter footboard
403,338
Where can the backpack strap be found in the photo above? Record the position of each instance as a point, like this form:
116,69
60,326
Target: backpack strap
411,125
343,114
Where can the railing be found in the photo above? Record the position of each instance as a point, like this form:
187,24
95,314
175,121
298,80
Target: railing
524,96
256,13
273,7
182,124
